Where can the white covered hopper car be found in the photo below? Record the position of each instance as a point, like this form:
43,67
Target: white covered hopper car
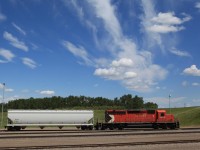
20,119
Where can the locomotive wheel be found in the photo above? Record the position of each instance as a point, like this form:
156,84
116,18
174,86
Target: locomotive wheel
17,128
111,128
83,127
155,126
172,126
120,128
164,126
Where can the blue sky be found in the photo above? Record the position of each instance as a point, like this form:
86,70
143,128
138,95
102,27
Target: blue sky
107,48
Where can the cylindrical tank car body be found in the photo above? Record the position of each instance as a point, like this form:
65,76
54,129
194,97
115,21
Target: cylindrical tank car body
18,119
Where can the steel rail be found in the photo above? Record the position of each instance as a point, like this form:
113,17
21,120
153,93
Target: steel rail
100,134
102,145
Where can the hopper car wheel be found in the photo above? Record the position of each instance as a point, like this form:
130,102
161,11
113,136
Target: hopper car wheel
10,128
90,127
60,127
103,128
41,127
17,128
96,127
83,127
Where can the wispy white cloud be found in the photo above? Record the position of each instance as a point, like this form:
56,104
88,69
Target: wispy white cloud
2,17
170,18
15,42
105,11
179,52
19,29
164,28
185,83
127,64
133,68
34,46
156,25
78,9
122,62
77,51
197,5
29,62
192,70
81,11
167,22
47,92
9,90
195,84
6,89
7,55
151,39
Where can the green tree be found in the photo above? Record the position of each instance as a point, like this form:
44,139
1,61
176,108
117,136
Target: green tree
150,105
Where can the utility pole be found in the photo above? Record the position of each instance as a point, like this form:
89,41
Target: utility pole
169,104
3,89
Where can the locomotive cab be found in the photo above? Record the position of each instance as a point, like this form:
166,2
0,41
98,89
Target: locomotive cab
162,116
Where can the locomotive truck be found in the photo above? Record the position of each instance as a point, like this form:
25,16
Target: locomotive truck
84,119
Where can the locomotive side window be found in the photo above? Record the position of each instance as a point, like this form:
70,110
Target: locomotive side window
117,113
151,111
162,115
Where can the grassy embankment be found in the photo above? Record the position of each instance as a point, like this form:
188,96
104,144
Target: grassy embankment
4,120
188,116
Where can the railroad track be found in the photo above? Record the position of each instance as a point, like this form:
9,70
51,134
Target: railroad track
5,132
101,145
92,134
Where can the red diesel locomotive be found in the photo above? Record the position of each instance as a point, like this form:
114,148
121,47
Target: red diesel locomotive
119,119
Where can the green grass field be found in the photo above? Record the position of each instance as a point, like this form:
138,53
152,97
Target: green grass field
4,120
188,116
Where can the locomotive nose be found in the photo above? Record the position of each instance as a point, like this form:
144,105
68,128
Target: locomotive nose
107,117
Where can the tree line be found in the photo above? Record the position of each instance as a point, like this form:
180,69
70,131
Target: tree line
80,102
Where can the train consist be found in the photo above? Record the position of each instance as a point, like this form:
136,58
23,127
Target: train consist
84,119
119,119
